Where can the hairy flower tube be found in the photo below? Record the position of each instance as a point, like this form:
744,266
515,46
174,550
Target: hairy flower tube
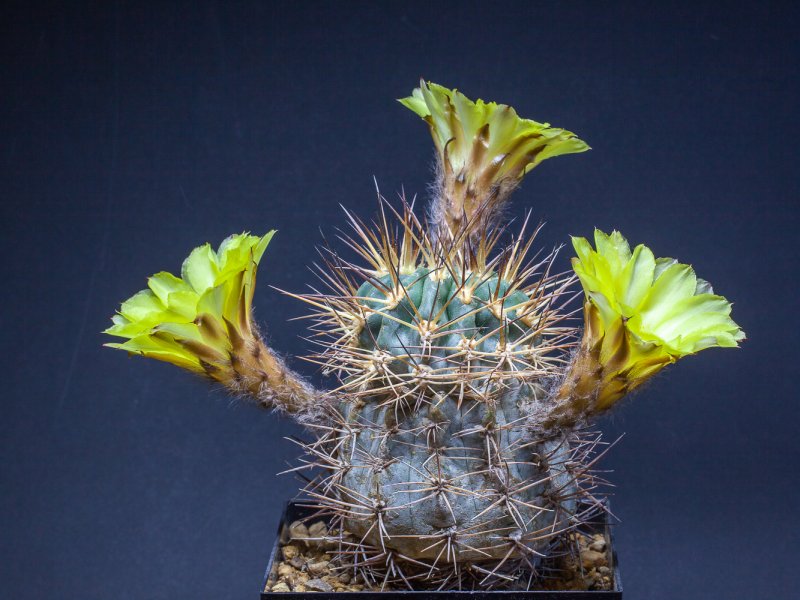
202,321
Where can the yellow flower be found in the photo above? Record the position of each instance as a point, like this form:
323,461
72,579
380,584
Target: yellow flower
485,149
195,320
465,130
641,314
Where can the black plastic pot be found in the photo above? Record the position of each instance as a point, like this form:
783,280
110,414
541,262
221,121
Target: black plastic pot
293,512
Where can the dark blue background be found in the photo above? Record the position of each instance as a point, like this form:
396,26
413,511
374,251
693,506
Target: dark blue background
133,131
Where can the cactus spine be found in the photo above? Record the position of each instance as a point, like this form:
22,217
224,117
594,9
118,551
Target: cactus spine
453,448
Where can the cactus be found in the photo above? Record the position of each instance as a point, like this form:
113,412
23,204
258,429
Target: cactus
454,447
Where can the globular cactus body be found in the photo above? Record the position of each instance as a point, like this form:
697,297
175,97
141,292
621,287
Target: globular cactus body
441,454
430,456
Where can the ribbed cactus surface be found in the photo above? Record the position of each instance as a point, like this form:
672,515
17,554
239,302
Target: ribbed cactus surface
440,459
443,355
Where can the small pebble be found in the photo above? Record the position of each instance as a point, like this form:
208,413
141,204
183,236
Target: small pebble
318,530
318,585
290,551
280,587
590,558
598,546
298,531
285,570
318,568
